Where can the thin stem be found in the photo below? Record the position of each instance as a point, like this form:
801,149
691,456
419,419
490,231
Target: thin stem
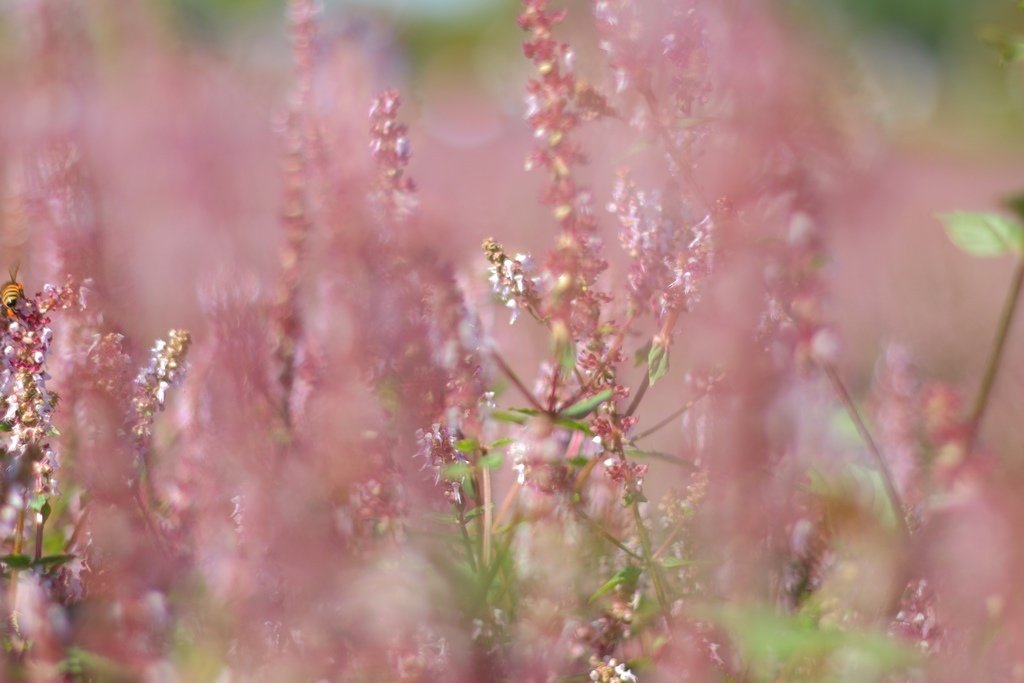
553,394
995,357
608,360
668,420
505,505
158,538
575,446
514,378
492,570
645,384
467,542
485,551
869,441
605,534
664,339
76,532
584,475
40,527
675,414
671,537
12,590
652,567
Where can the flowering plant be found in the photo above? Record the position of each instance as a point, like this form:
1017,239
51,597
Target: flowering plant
359,479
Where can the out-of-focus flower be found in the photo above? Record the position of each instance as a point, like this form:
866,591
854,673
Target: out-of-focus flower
557,102
166,369
512,279
671,256
389,144
437,448
611,671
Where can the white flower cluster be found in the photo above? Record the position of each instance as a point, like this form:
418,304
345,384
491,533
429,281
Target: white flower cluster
166,368
612,671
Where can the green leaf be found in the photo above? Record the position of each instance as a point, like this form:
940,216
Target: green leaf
573,425
627,575
872,486
1015,203
467,445
634,497
53,560
983,234
657,362
457,470
767,639
17,561
500,443
37,503
513,416
578,461
474,513
94,667
586,406
5,427
858,484
1009,48
563,348
676,562
657,455
521,416
492,461
642,354
45,511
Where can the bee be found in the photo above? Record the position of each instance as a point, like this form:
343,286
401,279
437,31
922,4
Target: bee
11,292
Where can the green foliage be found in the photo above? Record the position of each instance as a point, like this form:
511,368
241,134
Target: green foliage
627,576
467,445
1015,202
521,416
82,664
937,24
586,406
457,471
491,461
633,453
859,484
773,643
209,19
20,561
983,234
675,562
565,351
657,361
1010,48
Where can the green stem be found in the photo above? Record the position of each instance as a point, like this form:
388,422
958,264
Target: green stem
466,541
79,525
645,545
485,550
645,384
12,588
604,533
689,404
514,378
995,357
869,441
40,529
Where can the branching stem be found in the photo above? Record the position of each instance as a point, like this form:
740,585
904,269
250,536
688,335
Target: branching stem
995,357
514,378
869,441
